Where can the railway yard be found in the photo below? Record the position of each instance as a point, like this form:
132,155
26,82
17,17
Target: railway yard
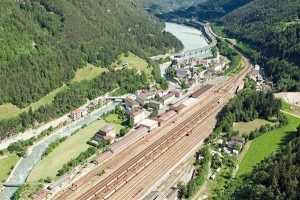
138,168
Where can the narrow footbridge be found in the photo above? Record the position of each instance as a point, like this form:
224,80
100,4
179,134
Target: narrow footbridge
11,184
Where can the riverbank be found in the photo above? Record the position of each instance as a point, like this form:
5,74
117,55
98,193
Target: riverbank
25,166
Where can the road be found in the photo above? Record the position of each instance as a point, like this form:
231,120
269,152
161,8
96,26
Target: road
34,132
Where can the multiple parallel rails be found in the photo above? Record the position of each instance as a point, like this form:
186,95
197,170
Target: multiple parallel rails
165,164
123,175
115,181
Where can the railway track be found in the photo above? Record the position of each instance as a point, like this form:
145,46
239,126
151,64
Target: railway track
136,189
147,156
83,182
124,174
115,181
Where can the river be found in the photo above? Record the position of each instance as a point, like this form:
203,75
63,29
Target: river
190,37
23,169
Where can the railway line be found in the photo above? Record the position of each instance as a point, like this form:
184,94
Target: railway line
146,157
122,176
133,190
165,145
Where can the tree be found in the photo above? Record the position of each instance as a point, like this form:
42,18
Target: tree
236,146
154,113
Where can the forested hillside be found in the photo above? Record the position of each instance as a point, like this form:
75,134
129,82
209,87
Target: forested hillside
271,27
44,42
206,10
162,6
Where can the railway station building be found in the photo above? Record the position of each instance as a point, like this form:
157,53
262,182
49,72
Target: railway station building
150,124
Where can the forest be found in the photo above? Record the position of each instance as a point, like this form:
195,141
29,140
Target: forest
163,6
44,42
276,177
75,96
247,106
271,28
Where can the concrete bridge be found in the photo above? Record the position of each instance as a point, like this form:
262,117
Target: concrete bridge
117,99
196,52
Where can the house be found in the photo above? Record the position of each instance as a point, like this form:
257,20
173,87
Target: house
105,133
91,105
137,116
149,95
255,72
155,105
217,67
203,62
142,100
167,99
182,73
150,124
236,140
176,92
161,93
130,103
77,114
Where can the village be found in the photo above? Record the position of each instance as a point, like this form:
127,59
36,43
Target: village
145,110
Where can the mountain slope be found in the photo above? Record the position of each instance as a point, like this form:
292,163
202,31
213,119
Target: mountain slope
272,28
162,6
43,42
277,177
206,10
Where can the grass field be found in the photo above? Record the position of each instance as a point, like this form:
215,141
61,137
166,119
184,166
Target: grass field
9,110
113,118
136,62
88,72
67,150
288,108
266,144
247,127
5,164
232,41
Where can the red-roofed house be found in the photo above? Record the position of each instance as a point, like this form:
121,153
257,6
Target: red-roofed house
131,103
137,116
177,92
105,133
76,114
